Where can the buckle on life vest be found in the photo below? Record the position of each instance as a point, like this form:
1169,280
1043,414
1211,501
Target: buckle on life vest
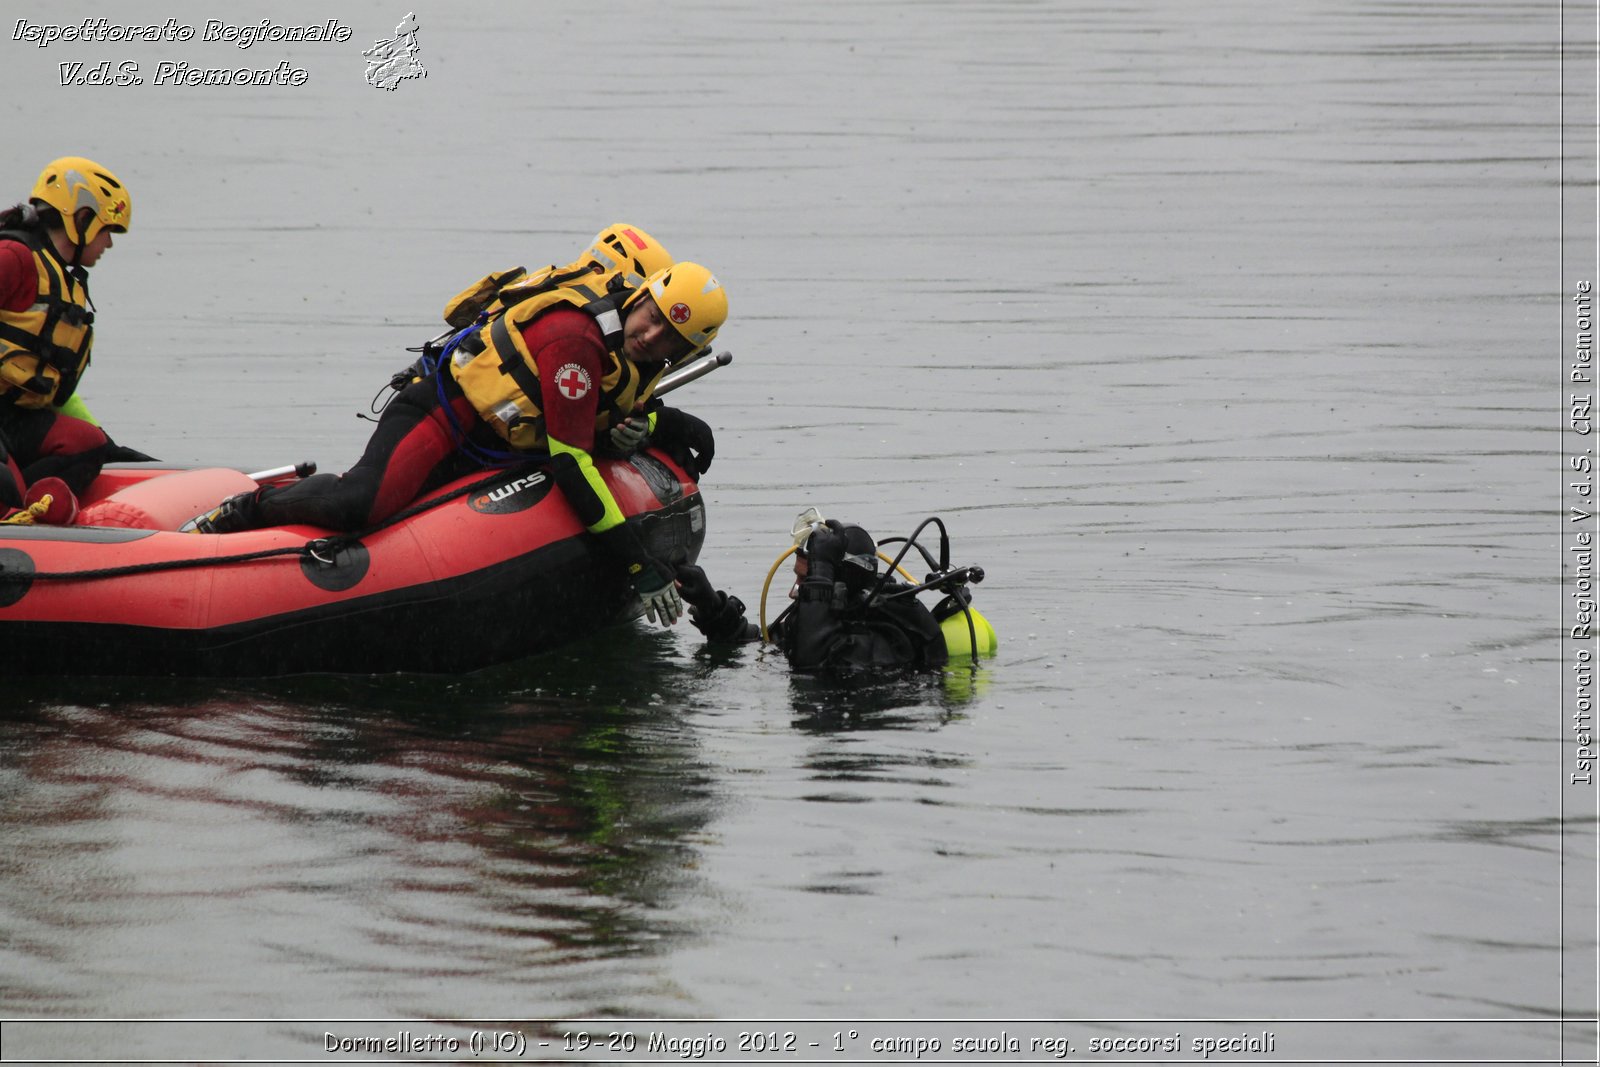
73,315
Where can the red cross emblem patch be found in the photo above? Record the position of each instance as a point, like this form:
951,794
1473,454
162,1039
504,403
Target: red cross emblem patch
679,313
573,381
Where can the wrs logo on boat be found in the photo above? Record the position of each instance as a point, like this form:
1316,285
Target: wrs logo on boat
519,494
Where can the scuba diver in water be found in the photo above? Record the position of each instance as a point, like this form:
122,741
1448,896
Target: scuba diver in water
847,618
562,362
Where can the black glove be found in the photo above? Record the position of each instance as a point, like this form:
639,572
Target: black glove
826,544
687,439
697,589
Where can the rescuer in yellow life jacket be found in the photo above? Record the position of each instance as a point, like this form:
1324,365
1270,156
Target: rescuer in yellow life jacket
540,365
47,245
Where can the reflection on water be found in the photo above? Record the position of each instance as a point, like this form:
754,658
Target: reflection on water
909,701
337,829
405,845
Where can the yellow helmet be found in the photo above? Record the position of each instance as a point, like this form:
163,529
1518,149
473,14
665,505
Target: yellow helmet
629,252
691,298
73,183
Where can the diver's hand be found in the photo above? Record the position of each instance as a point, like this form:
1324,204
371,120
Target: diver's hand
698,592
826,544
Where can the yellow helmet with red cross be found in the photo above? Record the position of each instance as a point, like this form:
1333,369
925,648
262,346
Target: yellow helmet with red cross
73,183
691,298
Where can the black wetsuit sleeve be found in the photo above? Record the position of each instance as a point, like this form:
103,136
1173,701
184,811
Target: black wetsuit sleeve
726,625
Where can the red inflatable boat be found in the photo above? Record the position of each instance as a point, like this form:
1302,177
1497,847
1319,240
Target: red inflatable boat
490,568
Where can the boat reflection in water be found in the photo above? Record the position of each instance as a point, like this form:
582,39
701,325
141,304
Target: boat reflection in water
392,846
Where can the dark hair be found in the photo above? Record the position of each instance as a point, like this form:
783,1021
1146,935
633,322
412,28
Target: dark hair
30,216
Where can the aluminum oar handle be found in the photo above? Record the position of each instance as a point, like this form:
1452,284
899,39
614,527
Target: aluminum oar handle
298,470
681,376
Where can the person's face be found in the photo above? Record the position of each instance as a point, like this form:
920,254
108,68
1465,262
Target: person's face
802,567
97,247
647,336
91,251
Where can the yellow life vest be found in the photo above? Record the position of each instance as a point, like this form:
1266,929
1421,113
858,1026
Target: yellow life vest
494,293
45,349
500,377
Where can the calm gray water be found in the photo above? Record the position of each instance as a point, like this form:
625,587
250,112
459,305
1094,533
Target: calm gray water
1221,335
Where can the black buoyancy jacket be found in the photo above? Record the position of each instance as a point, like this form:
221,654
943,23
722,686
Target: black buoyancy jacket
819,632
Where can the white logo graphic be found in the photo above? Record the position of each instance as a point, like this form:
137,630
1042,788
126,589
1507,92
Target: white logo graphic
573,381
393,61
516,487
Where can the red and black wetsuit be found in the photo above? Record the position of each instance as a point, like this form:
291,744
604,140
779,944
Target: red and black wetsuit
415,448
40,442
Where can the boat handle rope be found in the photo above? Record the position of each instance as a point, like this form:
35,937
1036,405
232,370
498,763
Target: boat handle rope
322,550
